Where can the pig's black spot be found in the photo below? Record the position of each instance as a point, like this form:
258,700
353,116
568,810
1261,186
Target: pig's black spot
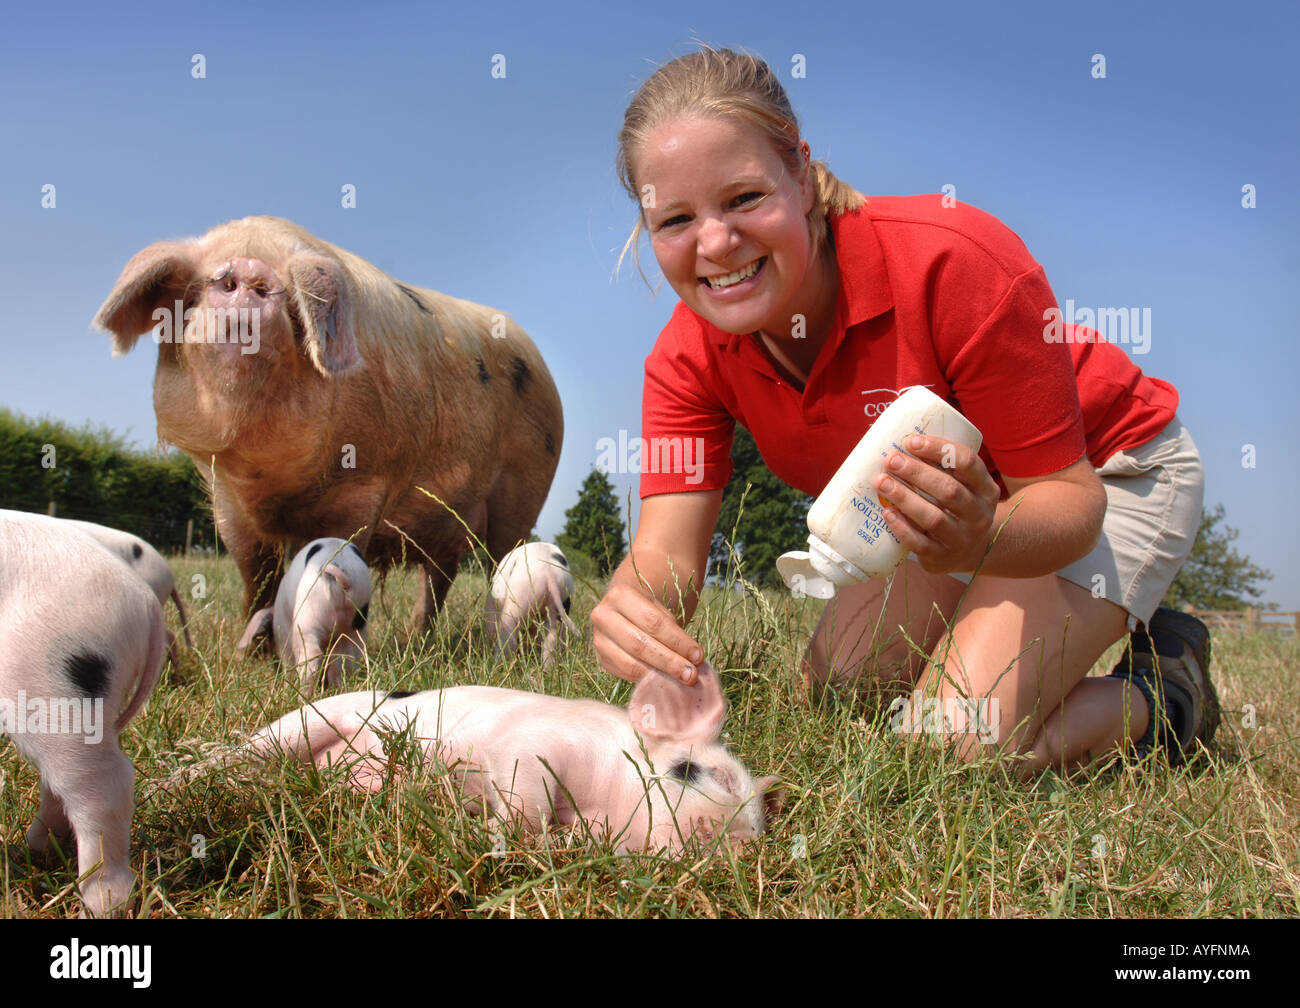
483,375
359,620
685,771
566,603
398,695
550,445
314,549
137,550
519,374
88,673
354,549
414,297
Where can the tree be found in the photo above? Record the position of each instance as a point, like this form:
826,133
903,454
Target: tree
1215,576
774,519
594,525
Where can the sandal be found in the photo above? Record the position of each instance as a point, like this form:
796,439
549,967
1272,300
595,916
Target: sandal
1168,661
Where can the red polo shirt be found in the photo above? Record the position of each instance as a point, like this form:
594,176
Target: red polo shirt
945,297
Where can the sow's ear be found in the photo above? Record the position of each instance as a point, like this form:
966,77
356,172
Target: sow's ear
322,297
156,277
665,710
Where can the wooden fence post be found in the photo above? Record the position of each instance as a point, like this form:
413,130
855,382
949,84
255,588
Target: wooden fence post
52,509
189,535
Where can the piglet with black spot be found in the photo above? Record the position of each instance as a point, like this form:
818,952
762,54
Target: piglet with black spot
81,648
320,612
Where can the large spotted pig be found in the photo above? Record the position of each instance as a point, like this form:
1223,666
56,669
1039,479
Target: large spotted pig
320,396
147,562
647,777
319,616
81,649
533,584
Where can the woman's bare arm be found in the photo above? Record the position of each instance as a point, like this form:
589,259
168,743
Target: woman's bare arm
636,624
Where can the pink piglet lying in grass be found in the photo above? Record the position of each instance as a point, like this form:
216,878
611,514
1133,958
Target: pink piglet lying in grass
648,777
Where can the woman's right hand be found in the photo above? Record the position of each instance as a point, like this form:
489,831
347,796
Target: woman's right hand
634,636
633,631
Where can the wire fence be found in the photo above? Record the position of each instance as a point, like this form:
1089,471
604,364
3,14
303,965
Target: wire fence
1249,620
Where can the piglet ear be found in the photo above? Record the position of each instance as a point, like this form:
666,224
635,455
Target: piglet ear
321,294
665,710
154,278
337,574
769,791
260,626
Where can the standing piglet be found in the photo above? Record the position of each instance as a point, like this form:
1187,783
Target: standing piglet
532,584
320,611
147,562
81,649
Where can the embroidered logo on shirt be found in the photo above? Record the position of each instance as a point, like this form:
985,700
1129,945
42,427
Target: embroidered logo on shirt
884,398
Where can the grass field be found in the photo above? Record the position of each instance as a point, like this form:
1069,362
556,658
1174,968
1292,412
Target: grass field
875,823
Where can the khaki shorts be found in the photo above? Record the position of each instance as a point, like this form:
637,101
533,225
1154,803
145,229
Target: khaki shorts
1153,511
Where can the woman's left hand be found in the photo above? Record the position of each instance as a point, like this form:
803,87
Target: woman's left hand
953,535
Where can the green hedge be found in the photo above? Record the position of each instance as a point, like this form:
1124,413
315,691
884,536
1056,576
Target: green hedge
92,474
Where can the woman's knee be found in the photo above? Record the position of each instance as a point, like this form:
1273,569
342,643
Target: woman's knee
1023,647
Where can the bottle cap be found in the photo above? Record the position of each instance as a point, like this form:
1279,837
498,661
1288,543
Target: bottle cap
820,572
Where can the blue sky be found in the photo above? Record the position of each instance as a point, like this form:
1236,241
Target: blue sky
1128,189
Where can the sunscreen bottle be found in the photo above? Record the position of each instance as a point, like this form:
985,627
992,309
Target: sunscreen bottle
849,540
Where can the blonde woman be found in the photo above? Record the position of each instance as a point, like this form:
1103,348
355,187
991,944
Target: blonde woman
805,309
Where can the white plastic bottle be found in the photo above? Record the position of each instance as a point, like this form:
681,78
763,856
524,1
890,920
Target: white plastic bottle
849,540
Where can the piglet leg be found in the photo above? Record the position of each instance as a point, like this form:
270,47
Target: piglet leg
101,820
309,660
51,821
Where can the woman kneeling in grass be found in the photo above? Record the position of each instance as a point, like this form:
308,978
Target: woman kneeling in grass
805,309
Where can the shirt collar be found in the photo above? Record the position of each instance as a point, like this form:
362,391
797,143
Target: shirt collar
864,277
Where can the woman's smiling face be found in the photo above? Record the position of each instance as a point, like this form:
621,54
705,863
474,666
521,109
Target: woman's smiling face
728,224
